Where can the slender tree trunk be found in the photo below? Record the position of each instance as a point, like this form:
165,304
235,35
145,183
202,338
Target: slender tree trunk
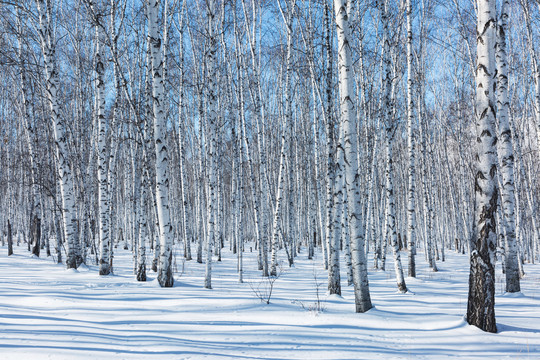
258,114
334,278
481,302
506,156
285,139
36,235
212,148
58,238
277,228
535,64
238,200
35,219
182,131
165,276
390,128
103,185
257,213
65,175
411,191
347,239
330,142
9,239
517,199
143,230
294,192
348,122
428,227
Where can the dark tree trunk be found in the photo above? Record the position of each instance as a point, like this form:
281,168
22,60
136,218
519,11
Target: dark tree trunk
36,235
141,272
79,244
481,302
155,259
9,239
58,244
47,244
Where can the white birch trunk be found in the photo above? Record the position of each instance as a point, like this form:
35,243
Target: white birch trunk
347,239
239,144
285,138
330,150
348,123
182,132
481,302
428,227
289,148
258,114
65,176
390,128
518,201
35,218
411,191
535,66
211,148
143,229
506,156
102,158
238,189
276,228
334,278
251,170
165,276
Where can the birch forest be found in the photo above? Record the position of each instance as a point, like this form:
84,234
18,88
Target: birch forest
369,135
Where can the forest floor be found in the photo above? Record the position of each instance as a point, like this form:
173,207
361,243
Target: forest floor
48,312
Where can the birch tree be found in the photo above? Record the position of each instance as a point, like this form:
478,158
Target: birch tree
251,24
411,191
212,147
348,123
29,125
330,142
390,129
338,230
277,227
506,155
143,224
481,302
165,276
65,175
102,148
182,132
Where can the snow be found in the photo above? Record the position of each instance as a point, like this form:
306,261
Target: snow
48,312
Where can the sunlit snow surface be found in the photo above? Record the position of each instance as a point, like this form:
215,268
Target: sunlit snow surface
48,312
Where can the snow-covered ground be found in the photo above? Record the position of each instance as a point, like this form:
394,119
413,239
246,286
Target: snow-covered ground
47,312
